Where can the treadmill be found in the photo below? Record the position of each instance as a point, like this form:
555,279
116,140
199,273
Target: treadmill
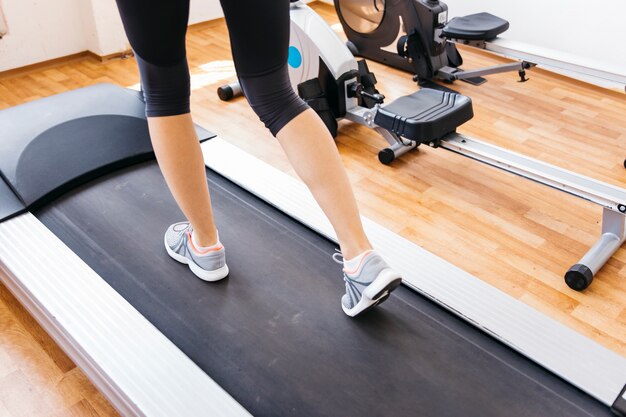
83,209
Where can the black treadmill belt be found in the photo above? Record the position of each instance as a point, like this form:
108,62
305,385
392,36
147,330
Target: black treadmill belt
273,333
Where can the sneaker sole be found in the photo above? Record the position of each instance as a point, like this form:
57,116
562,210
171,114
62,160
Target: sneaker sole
375,293
203,274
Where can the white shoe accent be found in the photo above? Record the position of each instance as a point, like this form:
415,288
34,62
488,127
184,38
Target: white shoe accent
354,263
203,274
368,297
210,276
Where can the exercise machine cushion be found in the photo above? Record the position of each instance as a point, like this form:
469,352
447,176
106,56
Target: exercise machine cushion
475,27
425,115
57,142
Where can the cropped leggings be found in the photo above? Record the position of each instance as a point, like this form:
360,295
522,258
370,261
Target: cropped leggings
259,37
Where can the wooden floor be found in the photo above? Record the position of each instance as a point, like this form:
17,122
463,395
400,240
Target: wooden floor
514,234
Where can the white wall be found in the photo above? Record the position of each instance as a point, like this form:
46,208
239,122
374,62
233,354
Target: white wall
102,27
583,32
40,30
589,33
203,10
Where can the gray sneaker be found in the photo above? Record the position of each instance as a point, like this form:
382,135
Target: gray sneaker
209,266
369,285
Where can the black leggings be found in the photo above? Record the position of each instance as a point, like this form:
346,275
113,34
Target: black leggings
259,36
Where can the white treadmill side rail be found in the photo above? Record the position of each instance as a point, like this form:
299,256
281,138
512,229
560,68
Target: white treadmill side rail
137,368
582,362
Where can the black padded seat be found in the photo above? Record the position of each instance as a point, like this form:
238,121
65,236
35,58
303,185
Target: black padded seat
475,27
425,115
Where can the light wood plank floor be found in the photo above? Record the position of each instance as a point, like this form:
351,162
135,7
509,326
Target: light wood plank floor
514,234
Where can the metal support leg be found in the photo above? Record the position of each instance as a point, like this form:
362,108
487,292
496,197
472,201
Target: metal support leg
399,146
229,91
613,236
453,74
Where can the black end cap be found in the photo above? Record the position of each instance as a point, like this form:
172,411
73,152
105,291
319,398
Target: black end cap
619,406
386,156
352,48
578,277
225,93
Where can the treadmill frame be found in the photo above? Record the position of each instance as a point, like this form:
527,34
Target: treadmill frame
139,370
142,373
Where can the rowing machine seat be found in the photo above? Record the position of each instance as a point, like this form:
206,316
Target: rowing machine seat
425,115
475,27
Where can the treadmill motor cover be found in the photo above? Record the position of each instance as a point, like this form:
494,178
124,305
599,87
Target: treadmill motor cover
55,143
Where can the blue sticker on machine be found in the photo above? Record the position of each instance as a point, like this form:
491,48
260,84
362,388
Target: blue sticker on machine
295,57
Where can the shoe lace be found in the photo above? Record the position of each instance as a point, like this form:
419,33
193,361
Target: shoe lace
188,228
338,256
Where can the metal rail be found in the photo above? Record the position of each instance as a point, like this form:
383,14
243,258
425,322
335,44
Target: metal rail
499,46
611,198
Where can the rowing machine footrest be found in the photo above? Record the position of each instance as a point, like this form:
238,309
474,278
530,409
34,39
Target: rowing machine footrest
475,27
425,115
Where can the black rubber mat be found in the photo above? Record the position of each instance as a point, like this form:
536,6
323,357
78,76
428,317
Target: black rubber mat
273,333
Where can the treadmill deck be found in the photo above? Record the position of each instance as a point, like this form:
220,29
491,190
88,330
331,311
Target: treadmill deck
273,334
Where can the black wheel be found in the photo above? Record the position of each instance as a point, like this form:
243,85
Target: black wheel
352,47
225,93
386,156
579,277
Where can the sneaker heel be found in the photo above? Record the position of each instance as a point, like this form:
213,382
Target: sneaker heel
388,289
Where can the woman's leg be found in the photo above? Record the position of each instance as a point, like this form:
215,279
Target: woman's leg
259,34
313,154
156,30
180,158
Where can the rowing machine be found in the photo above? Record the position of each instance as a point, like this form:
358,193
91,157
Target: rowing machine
416,36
